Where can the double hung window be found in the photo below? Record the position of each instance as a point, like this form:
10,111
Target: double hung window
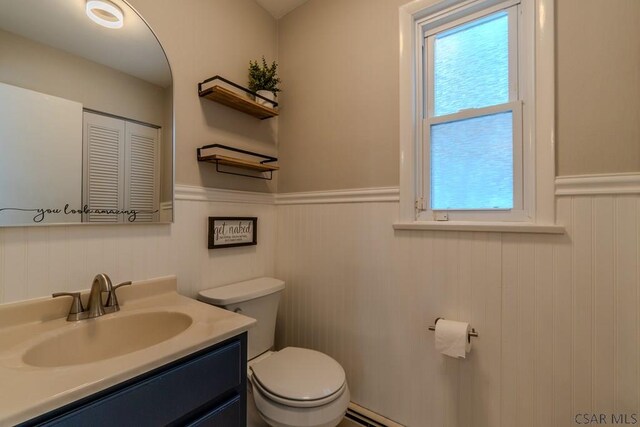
476,162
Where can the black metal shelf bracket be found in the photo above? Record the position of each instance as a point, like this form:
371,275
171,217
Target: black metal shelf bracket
267,159
237,86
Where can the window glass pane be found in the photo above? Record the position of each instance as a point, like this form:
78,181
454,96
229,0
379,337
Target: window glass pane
471,65
472,163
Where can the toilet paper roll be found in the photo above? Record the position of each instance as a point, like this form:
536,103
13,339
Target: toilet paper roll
452,338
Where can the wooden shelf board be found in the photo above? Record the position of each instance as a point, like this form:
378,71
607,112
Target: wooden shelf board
238,102
239,163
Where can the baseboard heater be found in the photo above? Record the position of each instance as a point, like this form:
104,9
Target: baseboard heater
360,416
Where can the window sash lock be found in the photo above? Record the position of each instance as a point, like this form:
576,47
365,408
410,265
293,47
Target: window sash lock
440,216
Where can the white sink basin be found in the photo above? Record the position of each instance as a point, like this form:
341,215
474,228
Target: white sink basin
103,338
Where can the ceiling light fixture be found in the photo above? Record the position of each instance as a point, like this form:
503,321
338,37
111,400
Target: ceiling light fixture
105,13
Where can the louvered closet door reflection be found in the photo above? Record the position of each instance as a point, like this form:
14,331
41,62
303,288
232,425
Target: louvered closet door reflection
142,178
103,151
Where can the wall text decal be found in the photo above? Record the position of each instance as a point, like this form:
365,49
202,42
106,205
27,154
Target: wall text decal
41,213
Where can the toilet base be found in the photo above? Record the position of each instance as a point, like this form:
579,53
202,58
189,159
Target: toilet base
253,416
254,419
328,415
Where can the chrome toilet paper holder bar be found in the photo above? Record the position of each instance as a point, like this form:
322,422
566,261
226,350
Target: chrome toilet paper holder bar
473,332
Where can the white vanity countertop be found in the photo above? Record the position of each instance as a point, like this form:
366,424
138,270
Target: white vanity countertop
28,391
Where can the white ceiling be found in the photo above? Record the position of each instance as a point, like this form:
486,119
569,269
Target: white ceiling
63,24
279,8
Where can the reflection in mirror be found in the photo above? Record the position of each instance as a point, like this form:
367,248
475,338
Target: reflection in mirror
86,116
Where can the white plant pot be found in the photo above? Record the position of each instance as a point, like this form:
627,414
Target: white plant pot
267,94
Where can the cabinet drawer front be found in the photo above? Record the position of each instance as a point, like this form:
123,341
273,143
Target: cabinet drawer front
166,397
226,415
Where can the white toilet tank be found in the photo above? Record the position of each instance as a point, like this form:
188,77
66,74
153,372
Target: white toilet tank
256,298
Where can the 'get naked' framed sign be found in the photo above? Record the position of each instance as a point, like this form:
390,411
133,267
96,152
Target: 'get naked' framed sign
231,231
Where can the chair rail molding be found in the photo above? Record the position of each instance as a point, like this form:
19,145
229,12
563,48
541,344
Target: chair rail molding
203,194
582,185
570,185
360,195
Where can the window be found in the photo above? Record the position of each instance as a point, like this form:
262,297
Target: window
473,165
477,111
477,116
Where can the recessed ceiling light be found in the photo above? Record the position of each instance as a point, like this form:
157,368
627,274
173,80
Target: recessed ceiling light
105,13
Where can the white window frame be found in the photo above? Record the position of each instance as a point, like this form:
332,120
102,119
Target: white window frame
521,157
536,92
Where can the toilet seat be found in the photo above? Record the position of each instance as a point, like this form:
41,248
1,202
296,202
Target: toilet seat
299,377
297,403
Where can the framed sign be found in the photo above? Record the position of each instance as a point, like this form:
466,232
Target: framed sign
232,231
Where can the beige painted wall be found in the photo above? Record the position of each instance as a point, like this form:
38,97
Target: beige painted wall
598,63
202,39
339,105
339,121
32,65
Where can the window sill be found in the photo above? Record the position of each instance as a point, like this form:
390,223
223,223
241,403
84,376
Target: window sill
500,227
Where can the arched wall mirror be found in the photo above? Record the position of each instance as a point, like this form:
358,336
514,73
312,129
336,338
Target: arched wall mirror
86,116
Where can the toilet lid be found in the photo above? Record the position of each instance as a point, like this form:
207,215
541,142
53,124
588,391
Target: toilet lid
299,374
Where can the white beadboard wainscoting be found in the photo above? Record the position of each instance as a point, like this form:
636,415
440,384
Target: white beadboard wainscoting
558,315
36,261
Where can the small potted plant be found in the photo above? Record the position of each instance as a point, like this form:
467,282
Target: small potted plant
264,80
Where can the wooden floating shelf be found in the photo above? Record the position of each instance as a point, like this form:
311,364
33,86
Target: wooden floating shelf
264,166
238,163
238,102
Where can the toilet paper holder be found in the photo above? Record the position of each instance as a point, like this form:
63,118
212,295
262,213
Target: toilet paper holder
473,332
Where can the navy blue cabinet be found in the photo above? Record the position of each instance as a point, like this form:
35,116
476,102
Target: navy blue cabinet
221,416
207,388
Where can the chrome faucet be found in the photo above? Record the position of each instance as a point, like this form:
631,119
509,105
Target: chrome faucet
95,308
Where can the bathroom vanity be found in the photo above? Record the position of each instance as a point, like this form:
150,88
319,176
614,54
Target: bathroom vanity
163,359
207,388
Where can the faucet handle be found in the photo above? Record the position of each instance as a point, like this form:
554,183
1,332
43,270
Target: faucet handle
127,283
76,308
112,298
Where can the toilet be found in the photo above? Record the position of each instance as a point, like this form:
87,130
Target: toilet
293,387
